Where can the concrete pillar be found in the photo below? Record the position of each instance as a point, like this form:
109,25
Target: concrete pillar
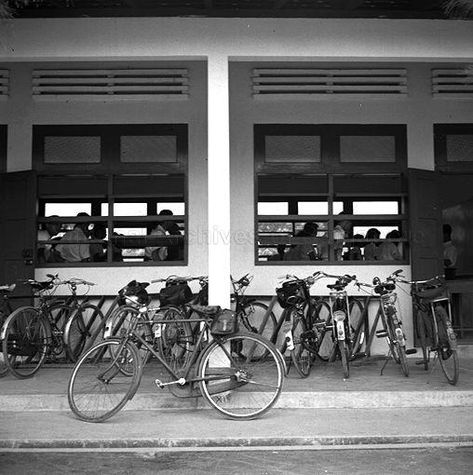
219,180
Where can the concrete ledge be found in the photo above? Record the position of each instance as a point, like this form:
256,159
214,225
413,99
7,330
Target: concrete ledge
237,442
287,400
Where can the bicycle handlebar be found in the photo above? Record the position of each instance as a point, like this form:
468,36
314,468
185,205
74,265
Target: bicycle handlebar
180,279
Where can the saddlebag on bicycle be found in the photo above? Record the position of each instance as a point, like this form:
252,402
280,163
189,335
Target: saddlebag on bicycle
134,293
175,293
286,291
225,322
431,292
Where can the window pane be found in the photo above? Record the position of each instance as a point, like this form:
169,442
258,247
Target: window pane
360,148
66,209
126,209
312,207
72,150
148,148
176,208
270,208
292,148
375,207
460,148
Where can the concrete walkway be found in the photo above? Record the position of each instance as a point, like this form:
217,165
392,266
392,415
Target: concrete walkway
323,410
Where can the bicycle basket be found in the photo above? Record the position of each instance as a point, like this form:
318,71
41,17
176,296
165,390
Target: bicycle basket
225,322
135,293
175,293
288,289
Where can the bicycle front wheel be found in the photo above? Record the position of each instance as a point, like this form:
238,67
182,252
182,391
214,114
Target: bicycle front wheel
79,329
98,387
3,367
25,342
240,386
343,348
447,352
357,327
324,332
300,355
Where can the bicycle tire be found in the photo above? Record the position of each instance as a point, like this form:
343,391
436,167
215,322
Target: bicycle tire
423,337
446,350
252,318
98,388
119,324
240,386
25,345
343,349
300,355
398,348
3,367
175,343
325,340
79,328
359,332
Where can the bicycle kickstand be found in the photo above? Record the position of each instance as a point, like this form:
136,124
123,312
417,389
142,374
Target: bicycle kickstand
386,361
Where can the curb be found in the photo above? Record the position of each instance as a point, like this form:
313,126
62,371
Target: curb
263,442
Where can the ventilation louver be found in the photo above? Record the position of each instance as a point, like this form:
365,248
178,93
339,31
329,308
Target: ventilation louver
110,84
321,83
4,83
453,83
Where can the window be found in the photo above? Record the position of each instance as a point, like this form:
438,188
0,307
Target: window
454,147
338,195
129,180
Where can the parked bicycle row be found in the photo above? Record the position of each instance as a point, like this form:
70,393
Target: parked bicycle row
181,329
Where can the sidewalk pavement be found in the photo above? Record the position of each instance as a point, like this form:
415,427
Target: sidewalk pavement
321,411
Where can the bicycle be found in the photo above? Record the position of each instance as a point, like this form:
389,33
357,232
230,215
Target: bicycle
391,324
433,312
32,333
5,310
225,372
337,330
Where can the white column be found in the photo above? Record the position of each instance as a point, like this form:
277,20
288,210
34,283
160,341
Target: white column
219,181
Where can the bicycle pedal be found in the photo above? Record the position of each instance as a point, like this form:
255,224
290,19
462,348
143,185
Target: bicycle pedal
159,383
358,356
381,333
411,351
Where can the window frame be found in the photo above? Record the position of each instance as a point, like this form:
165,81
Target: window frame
441,131
3,148
109,175
331,168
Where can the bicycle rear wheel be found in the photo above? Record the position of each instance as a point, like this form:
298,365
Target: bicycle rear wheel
421,320
447,352
79,329
300,355
324,331
176,340
343,348
3,367
241,386
398,346
98,387
25,342
358,328
252,318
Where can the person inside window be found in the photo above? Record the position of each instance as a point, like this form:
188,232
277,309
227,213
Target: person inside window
173,251
73,246
49,232
304,251
354,253
97,249
371,250
341,231
388,250
450,253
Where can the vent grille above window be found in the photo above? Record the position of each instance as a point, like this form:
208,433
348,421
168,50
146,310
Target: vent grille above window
453,83
110,84
329,82
4,83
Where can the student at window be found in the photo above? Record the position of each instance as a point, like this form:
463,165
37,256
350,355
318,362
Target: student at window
49,232
388,250
303,251
173,251
97,249
76,251
371,250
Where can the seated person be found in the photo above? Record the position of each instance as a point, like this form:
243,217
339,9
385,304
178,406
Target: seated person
75,251
303,251
98,250
371,249
172,252
49,232
388,250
